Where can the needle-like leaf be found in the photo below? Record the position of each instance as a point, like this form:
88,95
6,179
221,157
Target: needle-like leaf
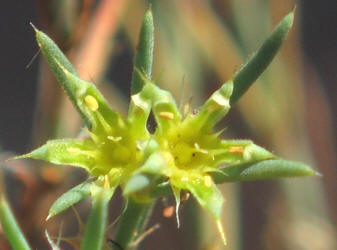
255,66
70,198
144,56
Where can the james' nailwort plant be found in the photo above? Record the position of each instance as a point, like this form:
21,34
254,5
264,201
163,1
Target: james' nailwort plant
184,154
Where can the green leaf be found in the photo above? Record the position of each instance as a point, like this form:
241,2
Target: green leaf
164,109
11,228
94,234
56,60
74,152
210,198
144,56
91,103
163,105
236,151
262,170
139,110
215,108
255,66
52,52
248,171
70,198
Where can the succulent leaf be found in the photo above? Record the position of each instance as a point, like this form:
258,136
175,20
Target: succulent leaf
74,152
216,107
91,102
263,170
255,66
239,151
55,58
70,198
144,55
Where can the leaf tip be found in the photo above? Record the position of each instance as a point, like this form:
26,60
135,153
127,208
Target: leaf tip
34,27
289,18
148,14
18,157
221,231
318,174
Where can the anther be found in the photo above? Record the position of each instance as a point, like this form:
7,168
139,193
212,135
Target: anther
166,115
91,102
208,181
236,149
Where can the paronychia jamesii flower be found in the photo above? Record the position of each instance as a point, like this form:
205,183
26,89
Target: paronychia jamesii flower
184,152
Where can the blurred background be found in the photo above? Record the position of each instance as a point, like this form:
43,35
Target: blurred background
290,110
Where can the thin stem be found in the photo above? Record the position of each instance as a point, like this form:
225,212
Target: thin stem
95,229
132,222
11,228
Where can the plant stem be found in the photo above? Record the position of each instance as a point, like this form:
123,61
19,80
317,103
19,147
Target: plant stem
11,228
95,229
132,222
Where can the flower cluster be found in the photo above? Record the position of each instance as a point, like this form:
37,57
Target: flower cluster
184,152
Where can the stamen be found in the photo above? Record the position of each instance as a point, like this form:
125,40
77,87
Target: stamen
208,181
91,102
166,115
236,149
